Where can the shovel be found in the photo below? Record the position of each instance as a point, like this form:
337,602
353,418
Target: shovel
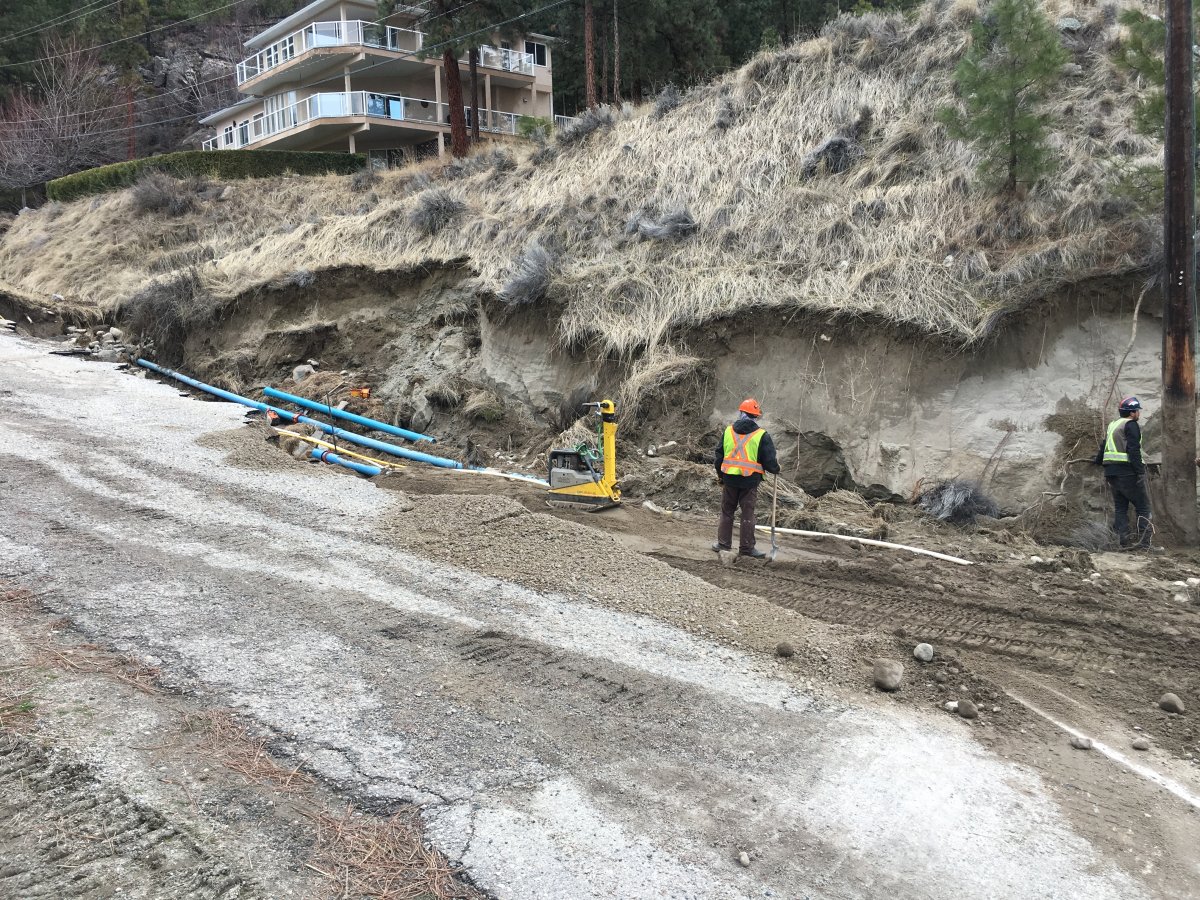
774,503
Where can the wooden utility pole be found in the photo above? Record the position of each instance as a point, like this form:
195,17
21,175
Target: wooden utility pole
474,60
1179,301
458,115
131,150
589,53
616,56
604,69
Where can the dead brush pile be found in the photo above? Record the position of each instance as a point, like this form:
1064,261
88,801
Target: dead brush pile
650,377
816,177
838,512
957,501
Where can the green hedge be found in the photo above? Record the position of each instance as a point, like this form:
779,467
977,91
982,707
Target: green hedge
220,164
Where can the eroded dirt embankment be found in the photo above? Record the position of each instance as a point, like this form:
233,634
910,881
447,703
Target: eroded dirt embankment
858,405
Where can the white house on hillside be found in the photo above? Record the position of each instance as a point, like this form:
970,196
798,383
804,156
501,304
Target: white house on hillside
330,78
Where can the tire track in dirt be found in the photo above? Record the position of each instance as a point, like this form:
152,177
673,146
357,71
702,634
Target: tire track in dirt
65,835
548,669
1002,617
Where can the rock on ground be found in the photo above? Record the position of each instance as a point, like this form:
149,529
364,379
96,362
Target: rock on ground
967,709
1081,743
888,674
1171,703
784,649
1141,744
923,652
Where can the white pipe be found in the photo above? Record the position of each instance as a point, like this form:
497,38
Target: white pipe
873,543
1144,771
511,476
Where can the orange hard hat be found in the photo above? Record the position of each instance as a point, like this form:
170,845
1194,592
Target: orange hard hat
750,407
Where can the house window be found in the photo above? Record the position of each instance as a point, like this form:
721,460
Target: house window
537,51
228,135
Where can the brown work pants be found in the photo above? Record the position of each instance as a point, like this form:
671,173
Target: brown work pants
731,499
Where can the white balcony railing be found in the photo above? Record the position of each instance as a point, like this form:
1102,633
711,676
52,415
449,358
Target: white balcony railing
506,60
357,33
563,121
354,32
353,104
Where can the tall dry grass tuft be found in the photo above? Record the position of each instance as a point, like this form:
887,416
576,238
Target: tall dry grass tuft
887,220
435,209
531,276
650,376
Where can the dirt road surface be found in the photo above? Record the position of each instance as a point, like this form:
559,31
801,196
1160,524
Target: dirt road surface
574,716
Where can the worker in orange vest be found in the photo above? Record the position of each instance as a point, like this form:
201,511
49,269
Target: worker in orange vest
743,454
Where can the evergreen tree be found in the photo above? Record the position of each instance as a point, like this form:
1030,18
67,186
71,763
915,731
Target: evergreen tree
20,39
661,41
1014,60
1143,53
456,29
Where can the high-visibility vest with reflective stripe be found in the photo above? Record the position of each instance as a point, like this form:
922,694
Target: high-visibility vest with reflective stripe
741,452
1114,446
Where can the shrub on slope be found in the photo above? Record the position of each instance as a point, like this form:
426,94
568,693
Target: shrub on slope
887,221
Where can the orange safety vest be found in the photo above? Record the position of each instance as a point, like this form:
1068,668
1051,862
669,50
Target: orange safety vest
741,452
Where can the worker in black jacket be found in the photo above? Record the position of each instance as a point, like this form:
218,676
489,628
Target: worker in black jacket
1121,456
744,452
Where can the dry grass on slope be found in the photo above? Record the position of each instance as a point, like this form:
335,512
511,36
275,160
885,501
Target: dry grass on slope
721,204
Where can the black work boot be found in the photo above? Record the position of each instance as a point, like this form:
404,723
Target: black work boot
754,553
719,547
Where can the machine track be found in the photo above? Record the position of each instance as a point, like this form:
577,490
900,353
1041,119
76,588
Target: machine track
1063,627
66,835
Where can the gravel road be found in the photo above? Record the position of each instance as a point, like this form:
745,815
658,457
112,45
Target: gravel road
560,748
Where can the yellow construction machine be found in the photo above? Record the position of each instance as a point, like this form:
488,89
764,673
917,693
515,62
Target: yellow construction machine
586,477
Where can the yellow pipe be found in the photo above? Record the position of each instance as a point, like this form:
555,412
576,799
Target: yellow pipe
341,450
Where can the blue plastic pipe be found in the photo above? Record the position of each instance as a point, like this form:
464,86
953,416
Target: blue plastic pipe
373,424
287,416
216,392
328,456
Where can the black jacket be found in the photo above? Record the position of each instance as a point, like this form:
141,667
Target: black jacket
1133,447
766,455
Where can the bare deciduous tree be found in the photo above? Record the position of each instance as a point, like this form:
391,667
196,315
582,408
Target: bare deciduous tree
66,121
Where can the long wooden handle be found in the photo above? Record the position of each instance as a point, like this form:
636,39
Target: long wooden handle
774,498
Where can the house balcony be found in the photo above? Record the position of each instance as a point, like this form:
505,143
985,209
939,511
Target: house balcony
327,117
327,47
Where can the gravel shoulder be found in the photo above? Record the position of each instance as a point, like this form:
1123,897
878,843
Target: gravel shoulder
573,716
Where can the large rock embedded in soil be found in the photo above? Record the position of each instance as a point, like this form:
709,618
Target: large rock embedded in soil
888,674
1171,703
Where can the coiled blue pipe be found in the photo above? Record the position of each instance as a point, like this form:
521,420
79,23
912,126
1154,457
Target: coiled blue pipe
329,456
373,424
287,416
